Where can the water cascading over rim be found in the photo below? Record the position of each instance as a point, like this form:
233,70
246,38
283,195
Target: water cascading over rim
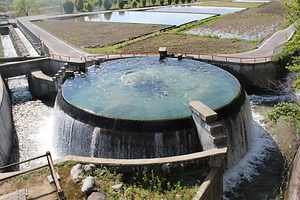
138,107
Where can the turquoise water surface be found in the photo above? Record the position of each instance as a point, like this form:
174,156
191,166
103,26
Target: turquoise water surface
149,89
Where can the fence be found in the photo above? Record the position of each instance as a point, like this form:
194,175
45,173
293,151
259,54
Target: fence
226,58
60,192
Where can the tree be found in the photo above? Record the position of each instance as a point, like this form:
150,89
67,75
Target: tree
121,4
100,3
89,7
107,4
134,4
68,6
22,7
291,110
79,5
153,2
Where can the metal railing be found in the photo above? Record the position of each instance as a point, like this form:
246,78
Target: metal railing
60,193
226,58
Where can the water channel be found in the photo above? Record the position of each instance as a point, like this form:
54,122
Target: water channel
34,121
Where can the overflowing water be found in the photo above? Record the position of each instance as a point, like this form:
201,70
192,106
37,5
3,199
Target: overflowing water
34,122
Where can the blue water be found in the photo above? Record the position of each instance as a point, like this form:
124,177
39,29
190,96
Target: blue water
147,89
198,9
144,17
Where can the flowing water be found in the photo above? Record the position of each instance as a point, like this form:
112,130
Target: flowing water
257,176
8,47
33,121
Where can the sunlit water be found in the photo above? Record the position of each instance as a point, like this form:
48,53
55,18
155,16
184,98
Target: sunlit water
8,47
33,122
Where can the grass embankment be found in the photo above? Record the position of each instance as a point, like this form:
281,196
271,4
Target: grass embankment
135,186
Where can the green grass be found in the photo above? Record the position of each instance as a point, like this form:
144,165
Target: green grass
229,4
139,185
150,185
1,50
110,49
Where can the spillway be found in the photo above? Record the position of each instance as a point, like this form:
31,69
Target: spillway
138,108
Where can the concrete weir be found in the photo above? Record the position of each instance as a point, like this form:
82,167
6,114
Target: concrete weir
84,130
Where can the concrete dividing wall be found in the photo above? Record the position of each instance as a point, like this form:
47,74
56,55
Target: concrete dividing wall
6,125
47,65
41,85
18,44
212,187
251,75
210,131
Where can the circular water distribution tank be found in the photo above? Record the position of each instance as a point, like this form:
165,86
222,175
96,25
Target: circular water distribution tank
139,107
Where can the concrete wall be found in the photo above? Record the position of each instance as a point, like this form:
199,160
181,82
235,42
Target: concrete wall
6,124
212,187
252,76
41,85
210,130
46,65
4,30
293,187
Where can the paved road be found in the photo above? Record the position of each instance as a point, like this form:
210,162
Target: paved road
60,47
55,45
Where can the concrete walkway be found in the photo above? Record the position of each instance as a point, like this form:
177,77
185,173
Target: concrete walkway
69,52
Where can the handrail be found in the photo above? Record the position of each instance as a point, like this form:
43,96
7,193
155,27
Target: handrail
226,58
60,192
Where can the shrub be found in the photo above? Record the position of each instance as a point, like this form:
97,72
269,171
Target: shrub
79,5
183,1
68,7
162,2
176,1
107,4
134,3
170,2
89,7
189,1
144,3
153,2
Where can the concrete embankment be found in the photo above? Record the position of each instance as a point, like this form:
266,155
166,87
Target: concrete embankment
6,124
252,76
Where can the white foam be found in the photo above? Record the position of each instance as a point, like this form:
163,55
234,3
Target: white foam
8,47
246,167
